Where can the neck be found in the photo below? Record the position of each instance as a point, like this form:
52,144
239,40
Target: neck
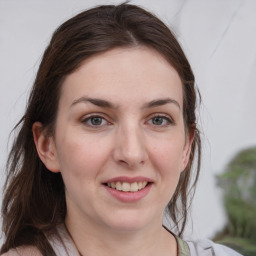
152,240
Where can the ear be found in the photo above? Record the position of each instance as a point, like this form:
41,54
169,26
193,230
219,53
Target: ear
45,146
187,149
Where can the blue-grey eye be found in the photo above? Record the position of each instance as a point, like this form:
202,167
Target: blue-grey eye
96,120
158,120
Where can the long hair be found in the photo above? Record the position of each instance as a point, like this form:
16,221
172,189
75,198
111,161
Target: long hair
34,198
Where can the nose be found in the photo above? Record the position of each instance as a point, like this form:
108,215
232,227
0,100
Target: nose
130,149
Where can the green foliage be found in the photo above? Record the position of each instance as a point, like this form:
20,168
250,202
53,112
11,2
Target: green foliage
238,182
241,218
245,247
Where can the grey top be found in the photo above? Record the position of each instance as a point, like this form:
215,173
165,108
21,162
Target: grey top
185,248
203,248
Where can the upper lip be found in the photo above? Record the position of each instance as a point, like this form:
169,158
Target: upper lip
128,179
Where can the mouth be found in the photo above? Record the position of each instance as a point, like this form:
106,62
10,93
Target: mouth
128,189
126,186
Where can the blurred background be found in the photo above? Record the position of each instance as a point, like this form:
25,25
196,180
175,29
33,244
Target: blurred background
219,38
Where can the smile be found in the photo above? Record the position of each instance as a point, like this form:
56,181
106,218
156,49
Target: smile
127,187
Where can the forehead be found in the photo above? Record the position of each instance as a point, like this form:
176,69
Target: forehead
139,73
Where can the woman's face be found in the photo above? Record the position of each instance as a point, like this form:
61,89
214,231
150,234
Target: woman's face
120,142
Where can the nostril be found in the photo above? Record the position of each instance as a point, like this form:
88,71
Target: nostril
123,162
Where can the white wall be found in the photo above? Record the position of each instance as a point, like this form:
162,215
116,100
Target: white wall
219,38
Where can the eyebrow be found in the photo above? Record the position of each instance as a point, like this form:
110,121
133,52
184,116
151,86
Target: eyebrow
107,104
161,102
94,101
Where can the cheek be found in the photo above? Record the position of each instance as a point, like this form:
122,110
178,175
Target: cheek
81,156
168,156
167,161
79,167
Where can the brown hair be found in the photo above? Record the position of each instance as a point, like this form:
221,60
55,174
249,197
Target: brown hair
34,199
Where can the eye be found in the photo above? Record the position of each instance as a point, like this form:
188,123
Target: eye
95,121
160,120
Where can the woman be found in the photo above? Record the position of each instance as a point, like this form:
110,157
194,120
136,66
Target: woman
106,143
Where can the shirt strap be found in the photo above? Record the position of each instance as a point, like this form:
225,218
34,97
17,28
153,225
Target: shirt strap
183,249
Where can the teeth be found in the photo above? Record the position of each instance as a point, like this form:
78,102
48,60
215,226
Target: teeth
134,187
118,186
128,187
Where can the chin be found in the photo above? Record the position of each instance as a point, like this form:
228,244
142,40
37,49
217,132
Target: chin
130,222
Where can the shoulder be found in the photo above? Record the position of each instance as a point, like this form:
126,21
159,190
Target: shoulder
23,251
206,247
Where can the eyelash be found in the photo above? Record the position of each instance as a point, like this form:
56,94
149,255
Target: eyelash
88,121
165,118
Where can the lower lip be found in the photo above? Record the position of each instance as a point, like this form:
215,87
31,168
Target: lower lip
129,196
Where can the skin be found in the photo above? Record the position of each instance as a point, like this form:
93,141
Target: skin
132,137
